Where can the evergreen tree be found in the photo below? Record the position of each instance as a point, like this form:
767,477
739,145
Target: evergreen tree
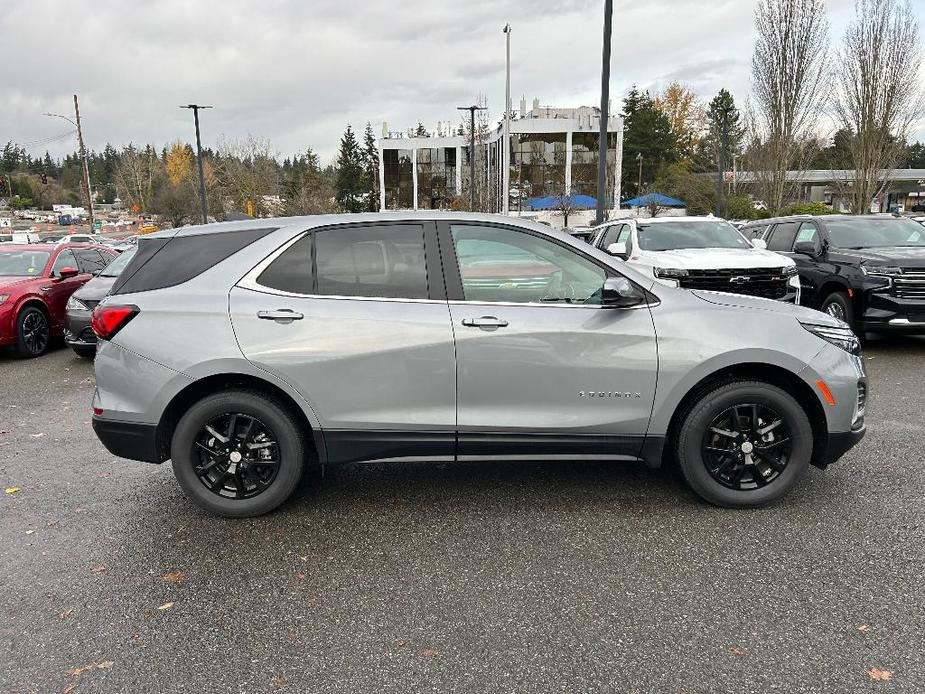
351,184
371,167
707,158
646,132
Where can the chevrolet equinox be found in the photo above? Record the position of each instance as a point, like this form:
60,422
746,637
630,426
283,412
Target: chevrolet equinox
245,352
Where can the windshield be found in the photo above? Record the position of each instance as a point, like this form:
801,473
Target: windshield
22,263
667,236
115,268
884,232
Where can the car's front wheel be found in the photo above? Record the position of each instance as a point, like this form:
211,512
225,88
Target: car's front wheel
238,453
744,444
33,332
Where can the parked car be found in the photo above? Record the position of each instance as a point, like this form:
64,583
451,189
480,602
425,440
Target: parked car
81,238
246,351
36,280
868,270
78,333
700,253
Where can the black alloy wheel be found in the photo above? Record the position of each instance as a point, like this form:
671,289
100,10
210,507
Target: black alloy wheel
747,446
34,332
236,456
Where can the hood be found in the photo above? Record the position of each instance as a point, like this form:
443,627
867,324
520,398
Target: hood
7,282
800,313
903,256
96,289
716,258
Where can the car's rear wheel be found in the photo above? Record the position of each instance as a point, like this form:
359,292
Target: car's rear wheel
33,332
238,453
744,444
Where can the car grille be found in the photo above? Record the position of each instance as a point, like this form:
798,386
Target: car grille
910,284
768,283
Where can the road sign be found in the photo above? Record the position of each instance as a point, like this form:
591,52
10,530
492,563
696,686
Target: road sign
729,176
5,222
97,224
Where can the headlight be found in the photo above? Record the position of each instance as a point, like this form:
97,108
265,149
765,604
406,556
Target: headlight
669,272
886,270
75,304
4,297
841,336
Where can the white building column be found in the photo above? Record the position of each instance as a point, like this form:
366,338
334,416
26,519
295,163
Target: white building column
381,180
414,175
568,162
458,171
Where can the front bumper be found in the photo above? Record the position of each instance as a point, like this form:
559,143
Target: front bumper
886,313
841,442
132,440
77,330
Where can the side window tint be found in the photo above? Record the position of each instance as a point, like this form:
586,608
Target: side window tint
377,261
498,264
624,236
782,237
65,259
292,270
91,261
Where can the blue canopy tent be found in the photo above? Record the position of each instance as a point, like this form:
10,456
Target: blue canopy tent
553,202
654,199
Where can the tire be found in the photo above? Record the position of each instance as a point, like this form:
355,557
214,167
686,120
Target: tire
275,422
85,352
838,305
33,332
697,432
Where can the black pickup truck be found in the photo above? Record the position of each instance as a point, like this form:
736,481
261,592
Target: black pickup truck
868,270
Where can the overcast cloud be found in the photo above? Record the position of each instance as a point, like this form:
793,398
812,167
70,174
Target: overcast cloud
297,72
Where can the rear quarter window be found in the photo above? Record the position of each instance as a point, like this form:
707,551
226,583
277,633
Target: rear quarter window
166,262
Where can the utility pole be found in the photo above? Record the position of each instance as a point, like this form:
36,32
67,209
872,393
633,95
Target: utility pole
605,116
506,157
721,162
471,109
202,177
83,158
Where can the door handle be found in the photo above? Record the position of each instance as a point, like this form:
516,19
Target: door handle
283,315
489,322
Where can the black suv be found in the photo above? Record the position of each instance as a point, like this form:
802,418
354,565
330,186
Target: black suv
868,270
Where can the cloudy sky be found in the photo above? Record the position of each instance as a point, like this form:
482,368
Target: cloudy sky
296,72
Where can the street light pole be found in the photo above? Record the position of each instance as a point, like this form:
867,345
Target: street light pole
471,109
202,177
506,157
605,116
721,163
639,184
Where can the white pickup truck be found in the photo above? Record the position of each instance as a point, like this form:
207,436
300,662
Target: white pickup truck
700,253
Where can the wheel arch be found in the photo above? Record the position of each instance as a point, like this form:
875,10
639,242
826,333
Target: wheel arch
755,371
190,394
831,286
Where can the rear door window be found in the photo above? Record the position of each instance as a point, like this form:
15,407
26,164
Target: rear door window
292,270
371,261
782,237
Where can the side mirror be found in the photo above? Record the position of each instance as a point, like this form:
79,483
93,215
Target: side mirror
760,244
807,248
67,272
619,292
618,249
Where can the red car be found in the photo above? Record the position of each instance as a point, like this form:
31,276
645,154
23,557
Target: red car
36,280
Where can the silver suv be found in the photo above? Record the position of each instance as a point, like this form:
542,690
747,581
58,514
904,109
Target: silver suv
245,352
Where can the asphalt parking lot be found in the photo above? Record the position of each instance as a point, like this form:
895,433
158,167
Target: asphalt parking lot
500,577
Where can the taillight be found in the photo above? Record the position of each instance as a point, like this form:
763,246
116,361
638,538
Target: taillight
106,321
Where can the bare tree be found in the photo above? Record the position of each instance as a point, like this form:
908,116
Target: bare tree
789,66
878,96
248,170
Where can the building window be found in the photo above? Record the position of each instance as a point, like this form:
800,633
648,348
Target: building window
436,177
538,164
399,179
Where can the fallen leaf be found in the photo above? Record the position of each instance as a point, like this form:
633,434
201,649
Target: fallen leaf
312,599
29,532
278,681
401,643
11,490
876,673
69,688
37,436
65,614
301,577
735,650
101,665
430,653
174,576
98,569
166,606
862,627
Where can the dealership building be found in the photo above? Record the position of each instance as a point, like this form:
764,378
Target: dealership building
554,151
